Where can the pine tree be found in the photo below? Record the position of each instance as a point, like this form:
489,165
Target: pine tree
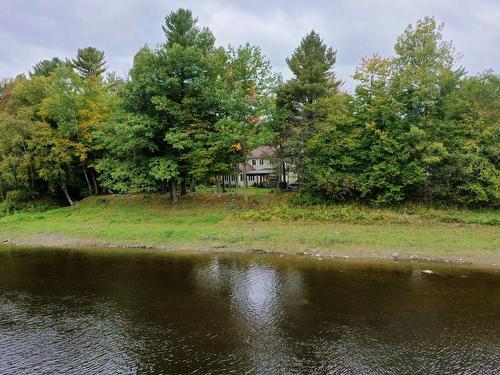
313,78
45,67
180,28
89,62
170,96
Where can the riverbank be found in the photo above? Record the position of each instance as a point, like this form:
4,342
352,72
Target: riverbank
267,222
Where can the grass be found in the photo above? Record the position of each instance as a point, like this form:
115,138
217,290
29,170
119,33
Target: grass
267,221
355,213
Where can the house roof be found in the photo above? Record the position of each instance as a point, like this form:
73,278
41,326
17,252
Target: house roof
242,167
265,171
263,152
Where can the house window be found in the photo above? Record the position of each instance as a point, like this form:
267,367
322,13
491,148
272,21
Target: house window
261,161
251,178
233,177
241,177
254,162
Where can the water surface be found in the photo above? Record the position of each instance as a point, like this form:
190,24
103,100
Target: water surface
149,312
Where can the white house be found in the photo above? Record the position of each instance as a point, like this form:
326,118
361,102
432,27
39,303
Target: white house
261,169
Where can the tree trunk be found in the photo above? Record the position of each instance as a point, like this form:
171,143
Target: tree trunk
245,176
173,191
87,179
283,165
183,187
96,187
68,198
245,181
193,186
277,174
223,184
219,194
236,185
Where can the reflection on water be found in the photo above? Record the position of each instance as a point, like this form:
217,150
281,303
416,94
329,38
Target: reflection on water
86,312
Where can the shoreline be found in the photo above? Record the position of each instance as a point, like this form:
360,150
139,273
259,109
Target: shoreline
54,240
204,222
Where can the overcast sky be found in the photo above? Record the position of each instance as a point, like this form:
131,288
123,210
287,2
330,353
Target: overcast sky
32,30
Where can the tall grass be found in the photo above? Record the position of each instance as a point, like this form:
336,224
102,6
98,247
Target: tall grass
286,211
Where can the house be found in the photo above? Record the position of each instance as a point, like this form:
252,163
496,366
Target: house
261,169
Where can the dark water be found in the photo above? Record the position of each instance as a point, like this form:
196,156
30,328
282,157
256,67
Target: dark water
128,312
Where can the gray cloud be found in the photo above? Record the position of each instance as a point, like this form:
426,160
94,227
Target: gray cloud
31,30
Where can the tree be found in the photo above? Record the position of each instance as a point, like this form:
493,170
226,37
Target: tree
468,172
423,78
313,78
69,107
6,86
415,129
362,149
79,107
46,67
114,82
18,177
248,101
89,62
58,115
312,67
391,166
54,159
180,28
171,95
423,70
335,152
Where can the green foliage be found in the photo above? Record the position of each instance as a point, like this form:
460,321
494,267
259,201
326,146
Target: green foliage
46,67
47,138
190,110
169,110
180,28
416,127
89,62
18,178
6,86
311,64
164,169
247,103
301,207
468,171
12,206
313,79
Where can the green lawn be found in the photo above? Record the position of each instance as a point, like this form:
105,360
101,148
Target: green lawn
267,222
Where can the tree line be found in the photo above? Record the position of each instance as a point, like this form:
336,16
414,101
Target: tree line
416,127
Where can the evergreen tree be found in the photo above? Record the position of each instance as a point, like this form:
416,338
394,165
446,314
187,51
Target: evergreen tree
45,67
416,127
313,78
180,28
171,94
89,62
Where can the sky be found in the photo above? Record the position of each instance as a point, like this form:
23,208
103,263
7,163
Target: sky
33,30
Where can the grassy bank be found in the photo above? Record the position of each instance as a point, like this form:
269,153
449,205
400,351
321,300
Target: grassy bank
268,222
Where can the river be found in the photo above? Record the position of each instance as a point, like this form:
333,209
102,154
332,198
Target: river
150,312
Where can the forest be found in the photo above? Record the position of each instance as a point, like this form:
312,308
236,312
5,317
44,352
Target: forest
416,127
